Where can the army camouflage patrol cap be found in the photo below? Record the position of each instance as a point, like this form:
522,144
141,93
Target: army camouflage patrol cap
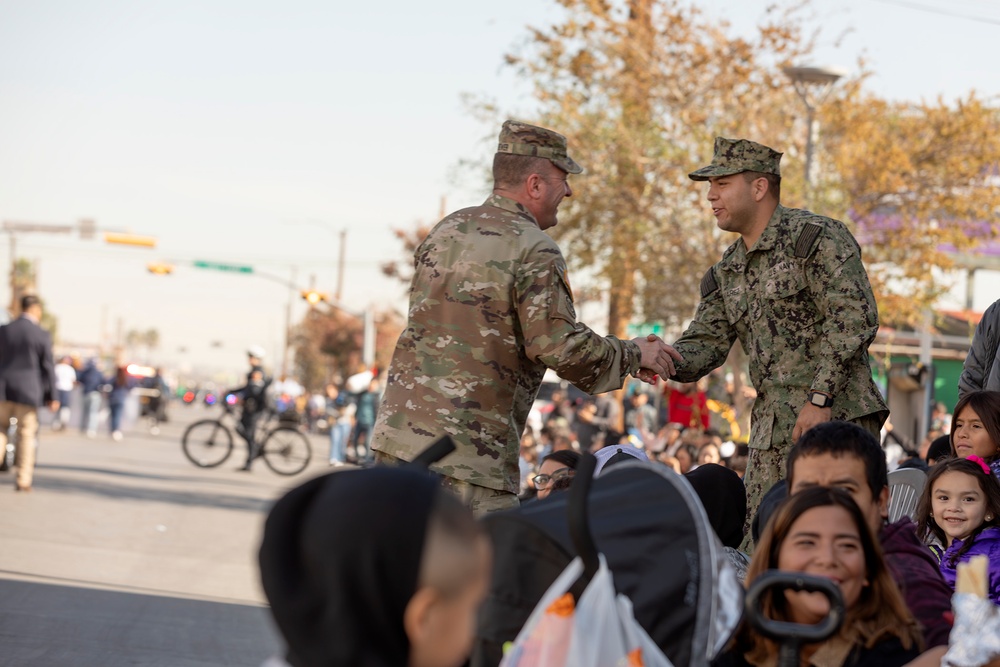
734,156
517,138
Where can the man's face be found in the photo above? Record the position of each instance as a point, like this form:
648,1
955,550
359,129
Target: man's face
842,472
552,189
733,205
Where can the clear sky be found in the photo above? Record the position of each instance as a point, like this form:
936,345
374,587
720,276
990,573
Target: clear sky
254,132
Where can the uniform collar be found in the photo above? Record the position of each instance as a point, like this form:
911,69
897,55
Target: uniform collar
769,237
737,254
507,204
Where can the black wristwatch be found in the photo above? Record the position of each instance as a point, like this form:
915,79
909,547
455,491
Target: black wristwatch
820,400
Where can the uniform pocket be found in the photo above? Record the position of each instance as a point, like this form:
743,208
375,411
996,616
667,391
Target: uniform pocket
789,303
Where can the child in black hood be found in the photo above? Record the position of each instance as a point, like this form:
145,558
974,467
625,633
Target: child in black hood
374,568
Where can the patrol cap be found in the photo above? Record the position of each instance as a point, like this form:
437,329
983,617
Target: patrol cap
517,138
734,156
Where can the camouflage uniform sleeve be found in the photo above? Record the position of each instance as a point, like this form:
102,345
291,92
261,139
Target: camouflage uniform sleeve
553,337
843,295
707,341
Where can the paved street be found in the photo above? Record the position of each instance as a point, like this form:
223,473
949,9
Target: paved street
127,554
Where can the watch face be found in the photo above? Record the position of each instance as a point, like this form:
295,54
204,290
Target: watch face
819,400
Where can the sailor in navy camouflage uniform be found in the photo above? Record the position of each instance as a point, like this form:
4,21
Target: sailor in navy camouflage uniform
794,292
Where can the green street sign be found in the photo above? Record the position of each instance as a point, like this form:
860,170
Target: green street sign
637,329
217,266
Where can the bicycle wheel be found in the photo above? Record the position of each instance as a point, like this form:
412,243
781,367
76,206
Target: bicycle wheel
286,451
207,443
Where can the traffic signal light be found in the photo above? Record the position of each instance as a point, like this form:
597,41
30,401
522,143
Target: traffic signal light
130,239
314,297
160,269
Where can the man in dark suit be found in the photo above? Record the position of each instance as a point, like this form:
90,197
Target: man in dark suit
27,381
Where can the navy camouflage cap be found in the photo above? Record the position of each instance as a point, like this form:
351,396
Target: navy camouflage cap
517,138
734,156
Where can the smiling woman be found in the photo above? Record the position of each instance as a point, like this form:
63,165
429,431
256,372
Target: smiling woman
821,532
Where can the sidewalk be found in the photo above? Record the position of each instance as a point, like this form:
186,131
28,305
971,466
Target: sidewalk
127,554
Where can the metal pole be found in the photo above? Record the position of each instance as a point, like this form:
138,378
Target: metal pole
970,287
927,391
288,326
368,343
811,133
340,265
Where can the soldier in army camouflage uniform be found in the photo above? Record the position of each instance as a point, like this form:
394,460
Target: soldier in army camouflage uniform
490,310
794,292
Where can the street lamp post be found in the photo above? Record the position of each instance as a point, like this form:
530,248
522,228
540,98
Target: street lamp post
812,84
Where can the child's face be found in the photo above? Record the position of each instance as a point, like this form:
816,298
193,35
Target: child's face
451,624
970,436
958,504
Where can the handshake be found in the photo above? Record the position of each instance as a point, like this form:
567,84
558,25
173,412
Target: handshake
656,359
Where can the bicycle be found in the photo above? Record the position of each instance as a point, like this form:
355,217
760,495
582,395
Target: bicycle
209,443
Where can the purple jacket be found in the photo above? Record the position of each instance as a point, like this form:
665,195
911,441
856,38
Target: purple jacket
916,572
987,543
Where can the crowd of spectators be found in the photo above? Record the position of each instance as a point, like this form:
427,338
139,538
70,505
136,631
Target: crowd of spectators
668,427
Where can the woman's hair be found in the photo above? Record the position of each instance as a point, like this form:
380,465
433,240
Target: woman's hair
988,484
879,611
986,404
691,450
567,457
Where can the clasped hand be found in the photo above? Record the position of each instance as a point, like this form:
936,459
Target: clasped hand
656,359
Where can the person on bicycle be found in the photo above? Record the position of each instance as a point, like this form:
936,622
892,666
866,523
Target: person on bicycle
253,395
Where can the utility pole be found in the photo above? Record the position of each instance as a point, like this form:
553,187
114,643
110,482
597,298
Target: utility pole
812,85
288,325
340,265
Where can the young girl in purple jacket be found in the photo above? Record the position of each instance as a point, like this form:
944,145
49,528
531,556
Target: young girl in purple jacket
961,507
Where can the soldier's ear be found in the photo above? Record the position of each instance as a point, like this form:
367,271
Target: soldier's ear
533,184
759,188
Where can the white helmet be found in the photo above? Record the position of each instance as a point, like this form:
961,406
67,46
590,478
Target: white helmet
256,351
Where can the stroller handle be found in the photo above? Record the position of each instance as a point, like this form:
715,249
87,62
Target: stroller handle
792,635
579,515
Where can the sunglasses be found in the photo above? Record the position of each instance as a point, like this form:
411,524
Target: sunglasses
542,481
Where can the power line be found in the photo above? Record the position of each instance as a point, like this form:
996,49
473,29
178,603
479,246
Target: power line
943,12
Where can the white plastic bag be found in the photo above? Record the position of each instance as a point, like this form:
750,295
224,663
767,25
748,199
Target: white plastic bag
604,631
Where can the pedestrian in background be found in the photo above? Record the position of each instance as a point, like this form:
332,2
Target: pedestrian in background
490,310
340,413
91,380
253,401
795,293
364,421
65,381
120,384
27,381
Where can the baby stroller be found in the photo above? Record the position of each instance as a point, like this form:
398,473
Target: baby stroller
653,531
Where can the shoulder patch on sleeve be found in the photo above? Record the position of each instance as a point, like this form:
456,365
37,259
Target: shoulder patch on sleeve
807,237
708,284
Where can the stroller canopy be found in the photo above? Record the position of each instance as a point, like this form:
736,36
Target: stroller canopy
659,545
